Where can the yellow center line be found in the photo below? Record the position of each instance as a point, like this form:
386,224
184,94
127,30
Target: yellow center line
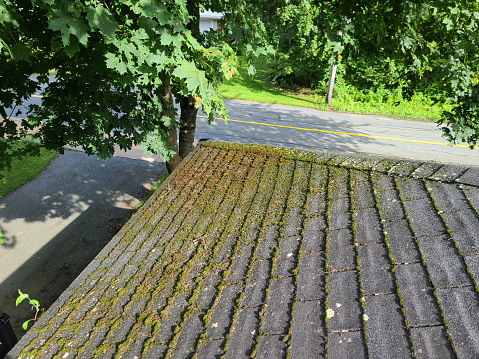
344,133
334,132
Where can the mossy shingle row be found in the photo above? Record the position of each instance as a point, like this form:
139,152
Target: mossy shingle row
255,251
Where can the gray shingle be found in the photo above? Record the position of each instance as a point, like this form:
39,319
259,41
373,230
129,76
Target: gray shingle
382,182
311,276
187,339
361,190
401,242
473,197
314,238
341,251
338,184
385,165
431,343
307,340
449,173
223,311
367,226
417,295
375,269
426,170
345,316
271,347
287,256
316,199
339,215
343,345
423,217
464,228
243,333
229,261
447,196
404,168
411,188
208,349
385,327
240,264
472,262
277,315
257,283
444,264
470,177
390,205
343,287
461,310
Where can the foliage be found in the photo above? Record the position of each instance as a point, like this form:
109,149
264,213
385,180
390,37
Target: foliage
111,58
389,47
35,306
347,98
2,236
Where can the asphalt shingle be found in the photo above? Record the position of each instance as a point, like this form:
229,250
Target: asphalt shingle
255,251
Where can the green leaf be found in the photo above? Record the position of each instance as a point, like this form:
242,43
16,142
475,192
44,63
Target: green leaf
111,60
25,324
193,77
449,24
67,24
80,30
21,298
100,18
72,48
20,52
62,23
121,68
169,38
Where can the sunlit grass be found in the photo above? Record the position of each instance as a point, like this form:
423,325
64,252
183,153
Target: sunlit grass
24,170
259,88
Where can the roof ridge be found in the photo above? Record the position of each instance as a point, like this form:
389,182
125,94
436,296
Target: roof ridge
401,167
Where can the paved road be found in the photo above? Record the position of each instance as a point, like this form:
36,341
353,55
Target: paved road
280,125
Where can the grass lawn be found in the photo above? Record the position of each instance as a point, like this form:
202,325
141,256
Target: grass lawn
258,88
24,170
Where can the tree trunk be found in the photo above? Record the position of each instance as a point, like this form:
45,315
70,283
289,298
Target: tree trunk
194,25
172,139
187,104
187,125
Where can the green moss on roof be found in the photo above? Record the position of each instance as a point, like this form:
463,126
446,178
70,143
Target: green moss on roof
235,244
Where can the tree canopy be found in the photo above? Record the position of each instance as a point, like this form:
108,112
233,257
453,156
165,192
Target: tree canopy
404,44
118,63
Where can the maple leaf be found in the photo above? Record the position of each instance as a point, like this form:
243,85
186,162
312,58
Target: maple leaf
100,18
194,78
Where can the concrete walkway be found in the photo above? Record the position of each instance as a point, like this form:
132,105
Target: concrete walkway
57,223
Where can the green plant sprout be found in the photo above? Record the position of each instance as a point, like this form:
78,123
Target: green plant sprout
1,237
35,306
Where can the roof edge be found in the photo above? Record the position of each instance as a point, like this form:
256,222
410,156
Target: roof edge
426,170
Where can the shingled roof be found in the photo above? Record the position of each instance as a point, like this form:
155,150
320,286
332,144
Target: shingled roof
255,251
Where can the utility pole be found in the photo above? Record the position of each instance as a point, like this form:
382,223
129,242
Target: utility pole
332,76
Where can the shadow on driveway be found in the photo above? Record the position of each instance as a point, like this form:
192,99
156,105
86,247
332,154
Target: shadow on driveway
57,223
